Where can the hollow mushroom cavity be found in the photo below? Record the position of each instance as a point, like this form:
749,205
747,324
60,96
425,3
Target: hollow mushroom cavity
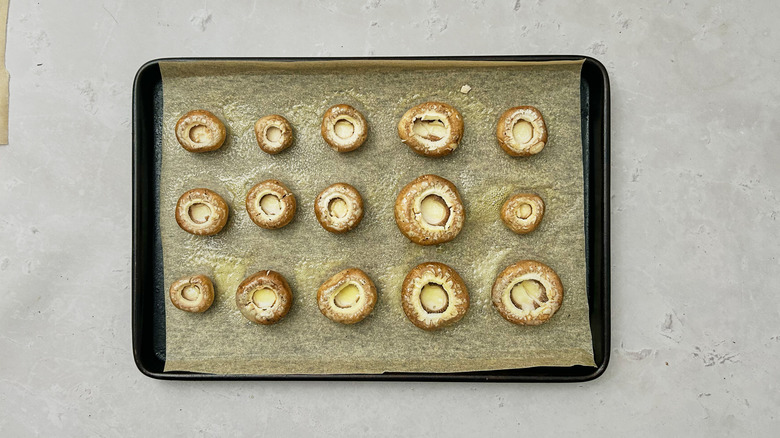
433,298
434,210
347,296
344,128
338,207
528,295
430,127
199,213
270,204
264,298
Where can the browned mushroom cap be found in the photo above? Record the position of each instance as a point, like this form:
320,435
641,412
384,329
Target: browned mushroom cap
274,133
192,293
339,208
527,293
523,212
201,212
433,129
521,131
347,297
344,128
434,296
200,131
429,210
264,297
270,204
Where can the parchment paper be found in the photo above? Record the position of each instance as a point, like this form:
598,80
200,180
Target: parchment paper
222,341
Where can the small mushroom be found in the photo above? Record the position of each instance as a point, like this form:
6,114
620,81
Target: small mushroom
270,204
274,133
527,293
192,293
432,129
200,131
347,297
339,208
264,297
523,212
201,212
433,295
521,131
429,211
344,128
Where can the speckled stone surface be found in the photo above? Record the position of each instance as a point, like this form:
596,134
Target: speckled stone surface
694,219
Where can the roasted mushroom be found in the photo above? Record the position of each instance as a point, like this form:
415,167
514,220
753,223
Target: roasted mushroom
200,131
523,212
270,204
347,297
433,129
273,133
433,296
429,210
192,293
264,297
201,212
344,128
527,293
521,131
339,208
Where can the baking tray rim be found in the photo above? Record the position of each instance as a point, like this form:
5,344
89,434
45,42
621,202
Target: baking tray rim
601,228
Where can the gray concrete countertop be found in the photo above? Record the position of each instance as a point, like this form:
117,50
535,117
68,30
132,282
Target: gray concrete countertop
695,187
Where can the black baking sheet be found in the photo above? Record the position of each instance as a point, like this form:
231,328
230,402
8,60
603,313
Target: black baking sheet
148,288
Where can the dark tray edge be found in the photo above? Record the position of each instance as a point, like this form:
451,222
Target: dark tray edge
602,181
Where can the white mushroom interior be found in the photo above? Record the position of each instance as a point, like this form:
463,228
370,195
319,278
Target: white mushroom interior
430,126
338,207
344,128
524,210
190,292
528,295
200,134
271,204
273,134
434,210
264,298
199,212
433,298
523,131
347,296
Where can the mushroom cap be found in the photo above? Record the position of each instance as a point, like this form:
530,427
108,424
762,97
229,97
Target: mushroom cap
408,210
343,112
216,220
203,118
286,199
263,124
258,281
432,145
522,271
201,303
515,222
327,292
505,131
350,196
449,280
